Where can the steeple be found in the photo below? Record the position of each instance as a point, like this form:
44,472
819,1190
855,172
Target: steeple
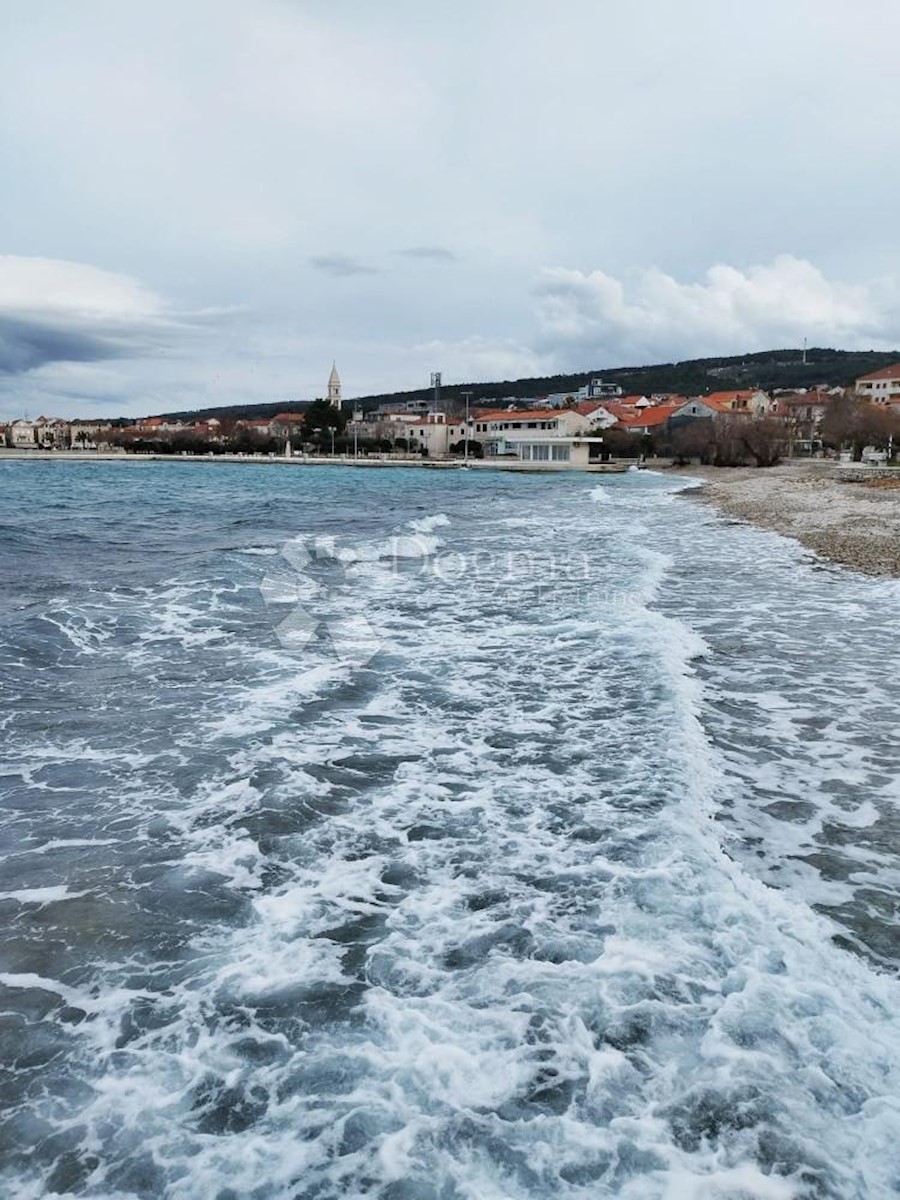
334,387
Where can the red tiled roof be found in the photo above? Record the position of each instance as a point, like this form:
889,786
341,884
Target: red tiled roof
288,416
892,372
730,397
586,407
649,417
530,414
618,409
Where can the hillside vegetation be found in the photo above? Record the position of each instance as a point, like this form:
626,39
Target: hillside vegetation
767,369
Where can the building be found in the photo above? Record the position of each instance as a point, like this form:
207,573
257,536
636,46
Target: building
90,435
434,434
158,425
553,437
45,433
597,390
882,387
286,424
600,415
649,420
334,388
497,429
420,406
704,408
751,400
22,434
802,413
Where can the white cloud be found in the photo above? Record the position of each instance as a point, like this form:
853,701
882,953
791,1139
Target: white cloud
589,316
57,311
50,289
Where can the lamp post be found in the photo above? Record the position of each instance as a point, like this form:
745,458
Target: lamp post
468,396
332,430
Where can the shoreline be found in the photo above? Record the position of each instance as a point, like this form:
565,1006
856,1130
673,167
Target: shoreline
432,464
852,523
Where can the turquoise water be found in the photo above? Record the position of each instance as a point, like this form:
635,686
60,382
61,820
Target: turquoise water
423,834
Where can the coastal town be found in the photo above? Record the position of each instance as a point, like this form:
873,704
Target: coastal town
592,425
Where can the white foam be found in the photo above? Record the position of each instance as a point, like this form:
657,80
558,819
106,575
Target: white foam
427,524
45,895
506,950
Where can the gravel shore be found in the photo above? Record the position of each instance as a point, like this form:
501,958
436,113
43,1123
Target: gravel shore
856,524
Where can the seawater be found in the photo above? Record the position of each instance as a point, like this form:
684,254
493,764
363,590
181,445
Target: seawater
427,835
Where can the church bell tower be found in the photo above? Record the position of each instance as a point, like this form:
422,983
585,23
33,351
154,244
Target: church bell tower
334,388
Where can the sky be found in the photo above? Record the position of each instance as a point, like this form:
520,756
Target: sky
208,201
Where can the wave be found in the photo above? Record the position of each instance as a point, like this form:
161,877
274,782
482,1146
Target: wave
467,921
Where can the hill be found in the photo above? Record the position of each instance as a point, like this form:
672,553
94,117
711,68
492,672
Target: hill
766,369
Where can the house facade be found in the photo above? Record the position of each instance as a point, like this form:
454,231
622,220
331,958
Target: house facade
751,400
90,435
22,435
555,438
882,387
434,434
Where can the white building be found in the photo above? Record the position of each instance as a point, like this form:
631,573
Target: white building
496,429
882,387
22,434
434,433
559,437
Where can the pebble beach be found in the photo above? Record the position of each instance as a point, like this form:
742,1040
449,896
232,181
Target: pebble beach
854,523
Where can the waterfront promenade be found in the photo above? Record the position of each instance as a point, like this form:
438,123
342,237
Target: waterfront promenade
386,460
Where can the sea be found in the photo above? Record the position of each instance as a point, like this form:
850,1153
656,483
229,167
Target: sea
439,834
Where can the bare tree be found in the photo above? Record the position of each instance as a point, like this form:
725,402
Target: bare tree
764,439
857,423
693,439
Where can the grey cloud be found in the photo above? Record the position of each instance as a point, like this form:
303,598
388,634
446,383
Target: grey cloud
29,341
340,265
430,253
26,345
189,185
58,311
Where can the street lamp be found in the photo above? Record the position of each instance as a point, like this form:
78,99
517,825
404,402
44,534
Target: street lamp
332,430
468,396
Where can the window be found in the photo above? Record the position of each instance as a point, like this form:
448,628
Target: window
560,453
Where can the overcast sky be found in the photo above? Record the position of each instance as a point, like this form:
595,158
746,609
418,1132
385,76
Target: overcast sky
206,201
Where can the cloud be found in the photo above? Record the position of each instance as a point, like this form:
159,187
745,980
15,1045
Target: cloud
340,265
56,311
470,359
430,254
596,315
